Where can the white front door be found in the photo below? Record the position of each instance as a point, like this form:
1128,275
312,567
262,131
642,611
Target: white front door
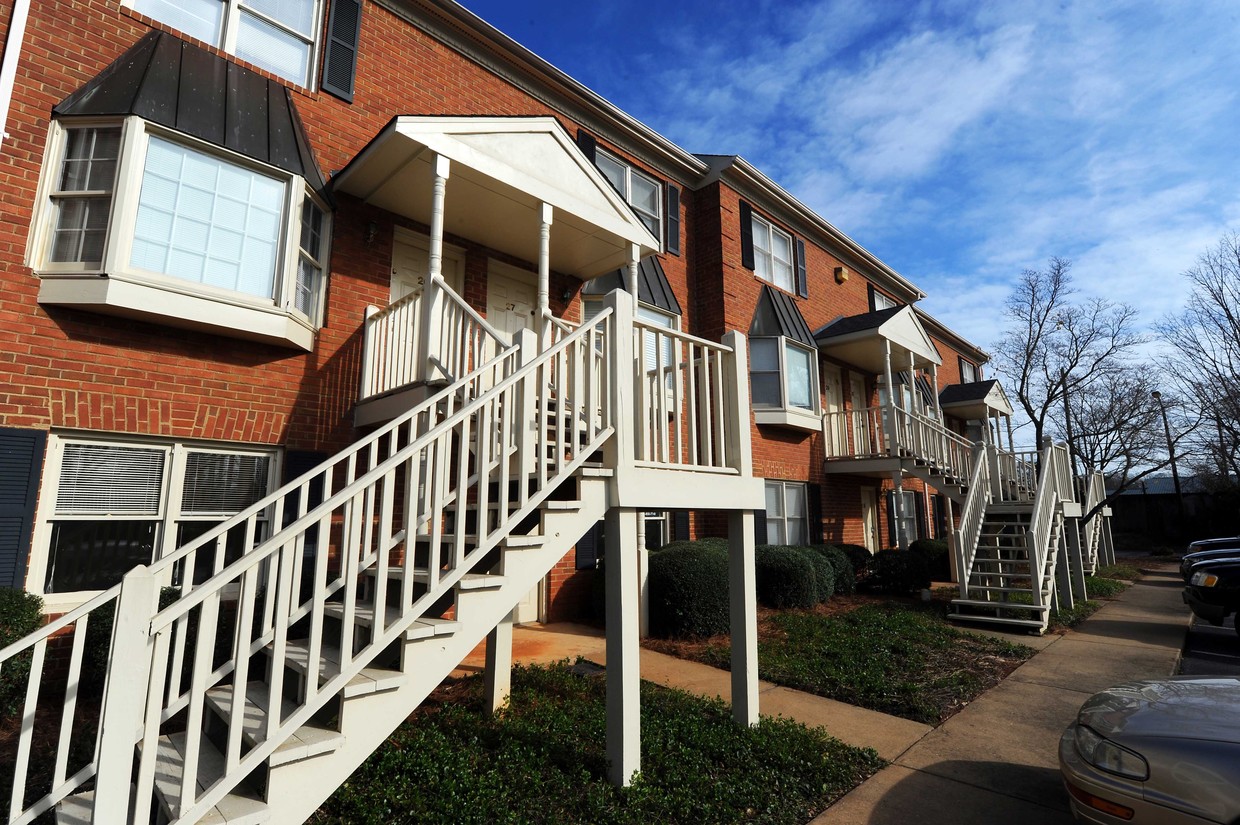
860,424
833,399
411,260
869,518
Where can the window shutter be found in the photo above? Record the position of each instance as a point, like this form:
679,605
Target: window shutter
869,290
813,510
588,547
672,223
587,144
919,507
892,539
21,459
802,278
680,525
759,527
344,28
746,236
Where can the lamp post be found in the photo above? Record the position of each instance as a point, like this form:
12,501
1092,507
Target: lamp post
1175,473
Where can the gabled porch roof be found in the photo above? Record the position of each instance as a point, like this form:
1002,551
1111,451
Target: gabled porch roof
861,340
975,400
502,171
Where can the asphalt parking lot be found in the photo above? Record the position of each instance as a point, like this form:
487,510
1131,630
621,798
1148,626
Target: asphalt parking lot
1211,651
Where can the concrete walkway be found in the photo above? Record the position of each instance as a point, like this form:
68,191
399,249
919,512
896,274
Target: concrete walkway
996,760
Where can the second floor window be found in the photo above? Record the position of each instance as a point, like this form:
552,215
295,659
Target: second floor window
641,191
772,254
781,374
276,35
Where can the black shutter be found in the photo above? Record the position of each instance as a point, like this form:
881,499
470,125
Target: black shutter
813,509
672,223
759,527
920,509
939,514
21,460
746,236
802,279
680,525
869,291
588,548
587,144
344,28
892,539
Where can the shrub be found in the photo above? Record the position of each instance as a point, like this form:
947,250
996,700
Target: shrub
824,571
21,614
689,589
898,573
860,558
845,577
785,577
937,556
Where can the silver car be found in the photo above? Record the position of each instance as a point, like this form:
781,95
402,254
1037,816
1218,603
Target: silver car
1164,752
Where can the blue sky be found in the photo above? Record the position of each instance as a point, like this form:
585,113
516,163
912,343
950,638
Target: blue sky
960,142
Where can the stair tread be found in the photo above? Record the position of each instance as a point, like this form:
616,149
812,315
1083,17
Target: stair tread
967,617
997,605
364,614
368,680
233,809
307,741
469,581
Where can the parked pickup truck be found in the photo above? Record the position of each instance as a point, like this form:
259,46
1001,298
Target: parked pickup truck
1213,579
1207,549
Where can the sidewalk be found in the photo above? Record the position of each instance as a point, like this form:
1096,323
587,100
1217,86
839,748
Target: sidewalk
995,761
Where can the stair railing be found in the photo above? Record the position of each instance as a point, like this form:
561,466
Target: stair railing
1054,482
967,535
1095,493
468,456
76,754
400,346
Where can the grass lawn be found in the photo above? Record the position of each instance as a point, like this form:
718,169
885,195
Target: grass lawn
888,657
544,760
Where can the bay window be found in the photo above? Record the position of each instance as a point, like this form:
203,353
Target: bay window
783,378
181,232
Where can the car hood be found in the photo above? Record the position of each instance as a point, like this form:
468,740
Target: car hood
1188,708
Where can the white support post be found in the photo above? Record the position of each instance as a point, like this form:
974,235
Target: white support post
1108,543
618,453
124,698
739,437
546,214
623,650
1072,530
897,503
499,666
634,261
525,459
432,299
889,414
743,609
12,55
634,266
934,375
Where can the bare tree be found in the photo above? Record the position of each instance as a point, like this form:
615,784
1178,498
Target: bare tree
1204,357
1056,347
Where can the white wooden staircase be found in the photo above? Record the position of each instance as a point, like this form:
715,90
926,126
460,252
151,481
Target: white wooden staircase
269,675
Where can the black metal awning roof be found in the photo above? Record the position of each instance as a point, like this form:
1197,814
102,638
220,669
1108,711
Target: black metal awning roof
777,314
652,286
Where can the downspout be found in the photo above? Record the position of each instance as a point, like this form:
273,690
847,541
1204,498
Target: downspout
12,54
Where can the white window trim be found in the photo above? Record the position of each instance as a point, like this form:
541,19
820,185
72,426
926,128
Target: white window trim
759,223
784,415
629,172
783,498
168,517
117,288
228,40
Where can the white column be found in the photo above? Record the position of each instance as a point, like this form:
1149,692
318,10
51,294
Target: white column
743,609
889,413
623,651
498,674
934,375
634,260
432,300
634,266
544,275
897,508
12,54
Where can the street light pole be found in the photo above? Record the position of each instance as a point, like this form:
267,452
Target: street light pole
1175,473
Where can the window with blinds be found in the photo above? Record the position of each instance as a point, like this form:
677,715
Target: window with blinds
103,479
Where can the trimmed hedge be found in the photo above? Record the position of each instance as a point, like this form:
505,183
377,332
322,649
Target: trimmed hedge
845,577
860,557
935,552
785,577
824,571
898,573
689,589
21,614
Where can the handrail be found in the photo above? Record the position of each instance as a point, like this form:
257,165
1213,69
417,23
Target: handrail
1045,506
684,415
863,433
972,516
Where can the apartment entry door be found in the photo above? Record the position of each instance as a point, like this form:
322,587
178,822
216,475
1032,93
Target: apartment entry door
411,260
833,397
869,518
860,425
511,300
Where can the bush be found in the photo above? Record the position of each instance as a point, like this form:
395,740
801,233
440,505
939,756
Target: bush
824,571
785,577
21,614
1097,587
937,556
689,589
898,573
860,558
845,577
